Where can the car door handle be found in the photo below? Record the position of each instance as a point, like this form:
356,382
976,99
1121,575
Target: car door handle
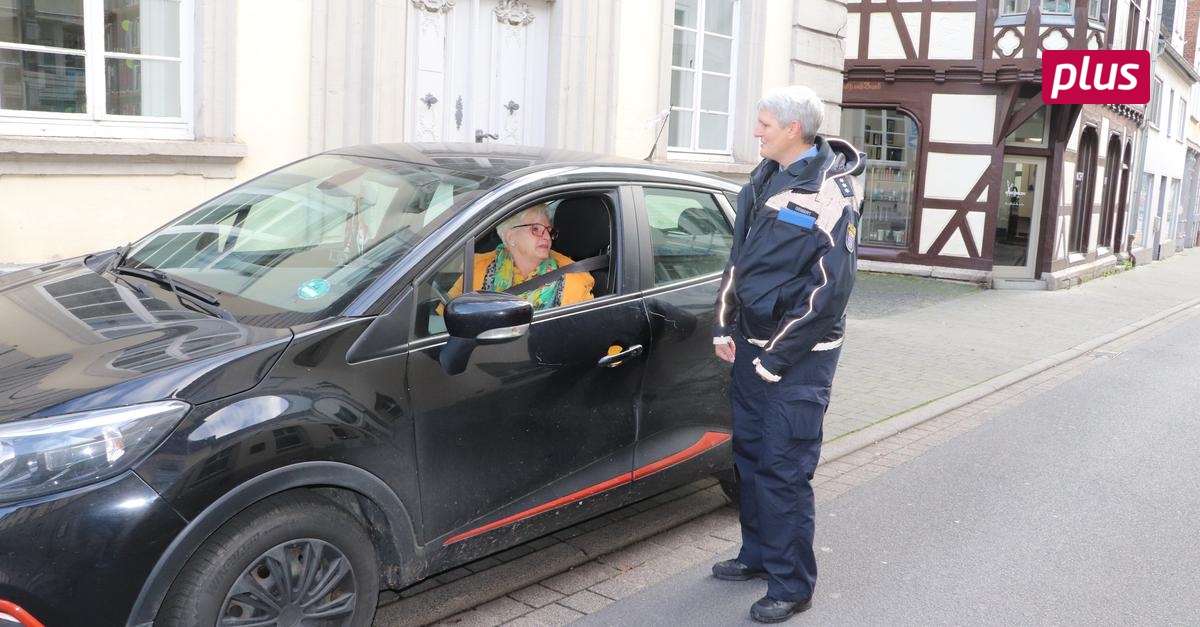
616,359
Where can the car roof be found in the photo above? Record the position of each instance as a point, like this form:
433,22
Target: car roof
509,161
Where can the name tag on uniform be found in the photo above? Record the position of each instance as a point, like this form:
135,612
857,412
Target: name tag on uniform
797,216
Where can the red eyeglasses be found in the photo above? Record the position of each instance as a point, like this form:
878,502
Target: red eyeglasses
538,230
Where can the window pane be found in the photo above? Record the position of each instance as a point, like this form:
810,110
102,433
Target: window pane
1013,7
690,235
1094,9
58,24
714,131
1031,131
1056,6
718,16
682,87
434,292
39,81
718,52
136,87
685,13
714,93
680,133
683,49
142,27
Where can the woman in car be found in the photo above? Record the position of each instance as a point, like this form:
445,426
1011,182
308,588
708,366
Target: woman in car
523,254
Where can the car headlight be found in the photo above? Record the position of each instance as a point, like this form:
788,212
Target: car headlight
58,453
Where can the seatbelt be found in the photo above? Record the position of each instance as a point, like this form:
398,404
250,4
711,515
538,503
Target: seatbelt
583,265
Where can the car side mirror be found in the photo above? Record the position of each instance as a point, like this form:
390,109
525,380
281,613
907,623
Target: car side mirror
482,318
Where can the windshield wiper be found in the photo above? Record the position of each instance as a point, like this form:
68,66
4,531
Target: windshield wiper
188,295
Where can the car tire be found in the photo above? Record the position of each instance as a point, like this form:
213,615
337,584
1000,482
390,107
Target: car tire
276,539
729,484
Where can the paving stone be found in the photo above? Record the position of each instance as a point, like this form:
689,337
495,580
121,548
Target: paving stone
549,616
491,613
536,595
678,560
713,544
580,577
472,618
483,564
634,555
514,553
454,575
628,583
424,586
586,601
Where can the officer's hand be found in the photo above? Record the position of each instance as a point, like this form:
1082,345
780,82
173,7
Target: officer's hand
725,351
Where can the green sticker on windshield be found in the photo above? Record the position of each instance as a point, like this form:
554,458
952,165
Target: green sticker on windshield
314,289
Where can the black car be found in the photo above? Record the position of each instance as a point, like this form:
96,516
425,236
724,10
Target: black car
256,412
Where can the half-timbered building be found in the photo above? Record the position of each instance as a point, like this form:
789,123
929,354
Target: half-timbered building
969,174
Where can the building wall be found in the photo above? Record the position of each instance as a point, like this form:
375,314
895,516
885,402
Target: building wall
280,79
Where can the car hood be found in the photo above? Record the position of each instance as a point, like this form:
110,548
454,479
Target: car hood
71,340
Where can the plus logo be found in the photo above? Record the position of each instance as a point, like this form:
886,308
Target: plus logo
1096,77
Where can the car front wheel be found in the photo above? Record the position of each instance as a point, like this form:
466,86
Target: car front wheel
293,559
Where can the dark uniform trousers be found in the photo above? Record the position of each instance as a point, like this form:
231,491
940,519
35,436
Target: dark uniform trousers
777,429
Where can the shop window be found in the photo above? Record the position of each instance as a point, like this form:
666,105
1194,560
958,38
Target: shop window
1138,224
890,140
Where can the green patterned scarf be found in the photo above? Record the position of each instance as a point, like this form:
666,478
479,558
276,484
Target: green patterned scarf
502,271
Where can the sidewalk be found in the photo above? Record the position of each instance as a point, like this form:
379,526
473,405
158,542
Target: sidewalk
913,358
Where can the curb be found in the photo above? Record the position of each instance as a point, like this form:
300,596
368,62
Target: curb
851,442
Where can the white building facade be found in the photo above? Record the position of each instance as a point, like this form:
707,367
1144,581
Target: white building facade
117,115
1163,202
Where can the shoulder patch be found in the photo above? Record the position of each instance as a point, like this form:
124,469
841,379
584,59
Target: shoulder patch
845,186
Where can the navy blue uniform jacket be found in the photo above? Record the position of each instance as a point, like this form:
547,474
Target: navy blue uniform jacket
794,256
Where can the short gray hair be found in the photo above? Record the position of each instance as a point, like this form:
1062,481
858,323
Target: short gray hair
796,104
524,216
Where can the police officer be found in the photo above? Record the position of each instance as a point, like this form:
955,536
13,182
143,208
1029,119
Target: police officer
780,318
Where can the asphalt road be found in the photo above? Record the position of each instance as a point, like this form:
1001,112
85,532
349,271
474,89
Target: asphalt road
1078,507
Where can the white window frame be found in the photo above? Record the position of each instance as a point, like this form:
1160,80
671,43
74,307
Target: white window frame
1155,105
1179,124
1170,121
97,123
693,149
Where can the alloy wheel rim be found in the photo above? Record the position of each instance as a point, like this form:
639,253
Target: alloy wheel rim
300,582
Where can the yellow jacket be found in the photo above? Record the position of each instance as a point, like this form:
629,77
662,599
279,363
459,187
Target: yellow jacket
577,286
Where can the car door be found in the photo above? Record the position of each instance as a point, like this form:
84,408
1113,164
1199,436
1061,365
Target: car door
516,444
685,422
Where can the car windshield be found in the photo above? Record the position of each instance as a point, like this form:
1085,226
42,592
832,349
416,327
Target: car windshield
297,244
